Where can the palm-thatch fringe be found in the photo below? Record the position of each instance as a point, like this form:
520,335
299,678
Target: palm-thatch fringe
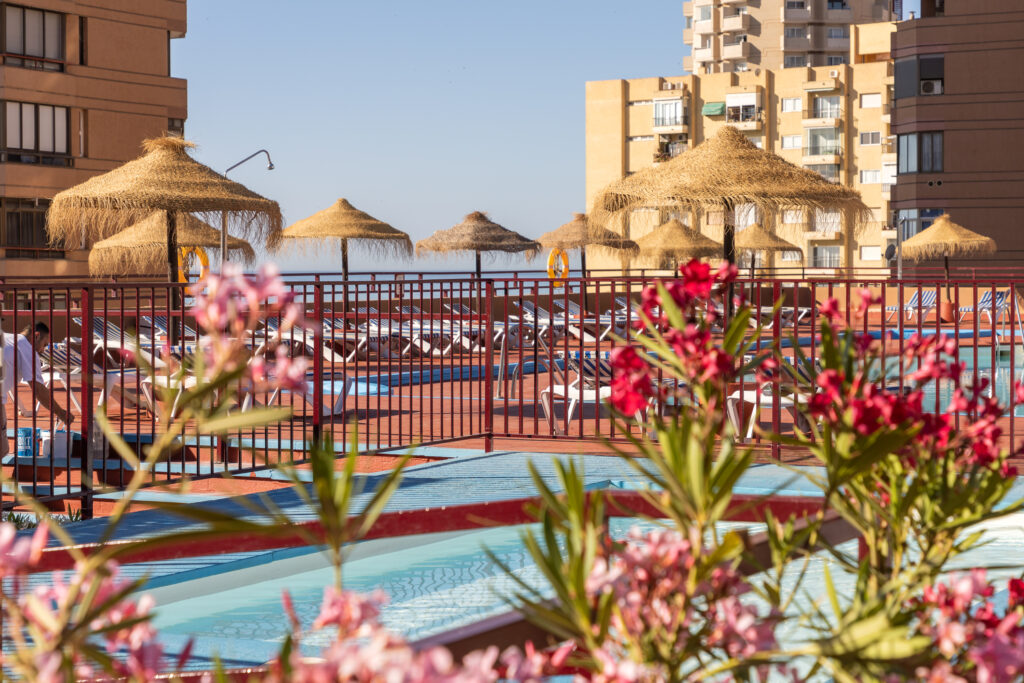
343,222
142,248
478,234
944,238
164,178
673,241
756,238
579,233
726,169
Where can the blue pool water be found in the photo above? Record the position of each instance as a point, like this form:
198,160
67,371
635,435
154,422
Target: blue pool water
435,586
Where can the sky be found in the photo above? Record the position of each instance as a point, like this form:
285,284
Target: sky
418,113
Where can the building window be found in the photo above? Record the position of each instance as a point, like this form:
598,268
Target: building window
871,252
870,177
715,218
796,4
640,138
829,172
920,153
35,134
828,220
826,107
872,137
669,113
24,229
923,75
176,127
835,60
33,38
839,33
825,257
790,104
838,4
742,66
793,216
823,141
688,22
796,32
790,142
914,221
638,103
741,113
791,256
871,100
704,13
791,61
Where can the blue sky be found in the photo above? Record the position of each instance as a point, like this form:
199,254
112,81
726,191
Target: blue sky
416,112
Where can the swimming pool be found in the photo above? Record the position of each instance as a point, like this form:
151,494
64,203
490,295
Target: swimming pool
435,583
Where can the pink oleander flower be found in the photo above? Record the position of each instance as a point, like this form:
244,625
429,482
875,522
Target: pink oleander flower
348,611
19,554
867,299
289,373
830,309
631,386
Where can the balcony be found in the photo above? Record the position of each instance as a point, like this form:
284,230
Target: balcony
671,124
730,3
887,191
705,54
838,44
687,8
889,152
796,44
838,13
672,149
739,50
796,16
887,112
744,118
737,23
816,155
825,117
688,36
706,27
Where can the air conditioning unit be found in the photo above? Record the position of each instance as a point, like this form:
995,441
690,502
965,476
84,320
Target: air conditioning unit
931,87
834,73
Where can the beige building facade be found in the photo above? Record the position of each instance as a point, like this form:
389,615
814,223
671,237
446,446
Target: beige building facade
746,35
81,85
832,119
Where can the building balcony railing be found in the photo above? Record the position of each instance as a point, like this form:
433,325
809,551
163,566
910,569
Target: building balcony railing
887,191
736,50
32,62
822,154
743,118
826,261
823,117
33,157
705,54
704,27
736,23
837,43
671,124
796,16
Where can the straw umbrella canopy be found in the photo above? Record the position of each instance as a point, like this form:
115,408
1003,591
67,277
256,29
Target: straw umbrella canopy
673,240
945,238
142,248
344,222
580,233
476,234
754,238
164,178
721,173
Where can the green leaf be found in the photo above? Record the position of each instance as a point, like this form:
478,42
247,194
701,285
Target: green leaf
249,419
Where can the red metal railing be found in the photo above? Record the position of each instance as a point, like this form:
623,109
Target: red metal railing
431,361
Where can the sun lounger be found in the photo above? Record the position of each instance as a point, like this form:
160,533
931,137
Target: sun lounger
921,302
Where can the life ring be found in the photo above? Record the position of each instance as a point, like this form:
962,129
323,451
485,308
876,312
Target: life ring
183,258
558,276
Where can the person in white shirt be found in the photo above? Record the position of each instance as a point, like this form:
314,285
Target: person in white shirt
28,370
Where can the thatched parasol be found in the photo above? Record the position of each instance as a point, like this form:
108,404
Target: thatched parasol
755,238
945,238
673,240
142,248
724,172
164,178
477,233
579,233
344,222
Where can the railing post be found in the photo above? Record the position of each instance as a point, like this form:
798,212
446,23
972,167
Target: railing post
489,369
91,440
776,345
318,360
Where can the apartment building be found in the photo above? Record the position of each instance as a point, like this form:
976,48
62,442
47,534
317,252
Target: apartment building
832,119
81,85
959,117
746,35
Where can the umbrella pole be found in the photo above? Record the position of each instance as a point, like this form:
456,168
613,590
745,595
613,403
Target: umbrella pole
478,271
174,298
946,259
223,240
344,259
728,247
583,269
